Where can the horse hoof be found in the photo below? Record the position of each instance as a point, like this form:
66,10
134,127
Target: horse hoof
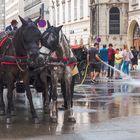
71,120
8,120
36,121
2,112
53,119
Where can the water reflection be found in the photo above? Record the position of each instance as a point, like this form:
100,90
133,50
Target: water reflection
124,88
92,104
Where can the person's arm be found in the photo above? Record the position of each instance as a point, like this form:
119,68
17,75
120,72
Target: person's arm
6,29
88,58
98,58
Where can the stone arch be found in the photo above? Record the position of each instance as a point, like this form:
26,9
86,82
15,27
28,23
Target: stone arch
130,31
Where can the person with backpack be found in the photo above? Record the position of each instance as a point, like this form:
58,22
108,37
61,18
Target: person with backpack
111,58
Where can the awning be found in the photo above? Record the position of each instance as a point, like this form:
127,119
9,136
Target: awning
75,46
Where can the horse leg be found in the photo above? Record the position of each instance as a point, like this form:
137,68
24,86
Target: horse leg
29,96
2,105
63,89
54,99
10,87
50,89
12,103
46,101
72,89
68,82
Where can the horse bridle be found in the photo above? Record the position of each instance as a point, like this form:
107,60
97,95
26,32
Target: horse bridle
47,33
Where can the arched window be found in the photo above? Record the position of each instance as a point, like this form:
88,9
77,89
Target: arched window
114,21
136,32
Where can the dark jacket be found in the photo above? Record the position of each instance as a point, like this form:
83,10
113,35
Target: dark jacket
9,28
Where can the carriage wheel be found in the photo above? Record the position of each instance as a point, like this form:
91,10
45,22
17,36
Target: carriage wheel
82,69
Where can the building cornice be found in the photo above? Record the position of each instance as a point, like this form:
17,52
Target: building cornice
110,3
134,12
76,22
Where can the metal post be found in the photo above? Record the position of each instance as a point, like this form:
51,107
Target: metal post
92,19
98,20
4,17
42,11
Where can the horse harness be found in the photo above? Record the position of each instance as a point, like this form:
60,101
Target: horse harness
11,59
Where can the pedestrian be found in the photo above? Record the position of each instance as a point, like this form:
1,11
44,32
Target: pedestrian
118,63
13,26
94,61
104,57
111,57
134,60
127,56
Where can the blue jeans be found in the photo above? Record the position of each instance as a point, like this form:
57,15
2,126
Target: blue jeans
125,67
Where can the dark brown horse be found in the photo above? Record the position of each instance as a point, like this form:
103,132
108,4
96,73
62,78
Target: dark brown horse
16,53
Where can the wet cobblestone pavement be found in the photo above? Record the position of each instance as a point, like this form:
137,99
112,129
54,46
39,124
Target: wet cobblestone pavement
109,110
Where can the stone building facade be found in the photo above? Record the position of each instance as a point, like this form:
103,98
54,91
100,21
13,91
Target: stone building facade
74,15
34,8
109,21
13,8
134,24
2,15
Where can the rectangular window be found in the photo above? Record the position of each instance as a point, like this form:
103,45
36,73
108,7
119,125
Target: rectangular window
64,13
81,9
114,24
54,19
75,9
69,11
114,21
58,13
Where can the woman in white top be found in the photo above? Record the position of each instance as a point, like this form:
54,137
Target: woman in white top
126,59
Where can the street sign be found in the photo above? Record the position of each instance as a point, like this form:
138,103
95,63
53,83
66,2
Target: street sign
42,23
98,39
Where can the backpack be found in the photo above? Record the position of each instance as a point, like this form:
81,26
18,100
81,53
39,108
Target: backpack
111,54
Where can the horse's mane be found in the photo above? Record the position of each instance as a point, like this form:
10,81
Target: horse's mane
65,45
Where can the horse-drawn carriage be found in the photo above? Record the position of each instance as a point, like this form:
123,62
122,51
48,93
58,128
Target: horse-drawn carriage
25,44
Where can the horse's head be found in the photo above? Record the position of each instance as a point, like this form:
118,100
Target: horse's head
54,39
50,38
27,37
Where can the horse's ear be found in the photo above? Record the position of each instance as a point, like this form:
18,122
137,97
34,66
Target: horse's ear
23,21
59,28
37,20
48,24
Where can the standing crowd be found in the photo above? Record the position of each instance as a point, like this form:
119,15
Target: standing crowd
108,62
